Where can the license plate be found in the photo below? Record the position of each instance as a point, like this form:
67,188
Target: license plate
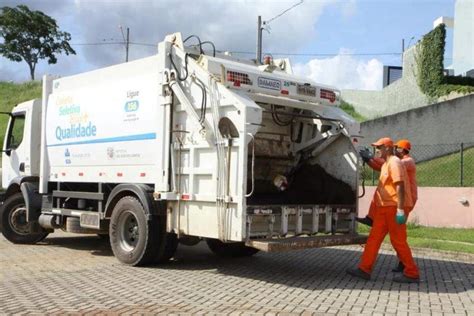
306,90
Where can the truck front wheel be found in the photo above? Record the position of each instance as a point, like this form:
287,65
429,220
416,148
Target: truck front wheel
13,222
235,249
135,238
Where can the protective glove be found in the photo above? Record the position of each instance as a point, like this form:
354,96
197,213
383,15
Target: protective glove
366,154
400,217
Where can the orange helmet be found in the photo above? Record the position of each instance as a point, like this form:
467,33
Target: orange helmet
404,143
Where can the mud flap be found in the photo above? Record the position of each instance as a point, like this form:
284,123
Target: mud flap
32,199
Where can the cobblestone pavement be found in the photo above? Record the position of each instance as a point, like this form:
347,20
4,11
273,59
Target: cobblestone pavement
78,274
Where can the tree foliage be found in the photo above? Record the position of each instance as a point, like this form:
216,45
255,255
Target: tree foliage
431,78
31,36
430,61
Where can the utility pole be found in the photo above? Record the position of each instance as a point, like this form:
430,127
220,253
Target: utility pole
128,44
260,28
126,40
403,49
259,40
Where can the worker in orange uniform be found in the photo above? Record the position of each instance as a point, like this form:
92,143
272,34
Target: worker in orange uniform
389,202
402,151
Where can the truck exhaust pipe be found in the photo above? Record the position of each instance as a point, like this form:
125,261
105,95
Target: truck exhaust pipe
48,221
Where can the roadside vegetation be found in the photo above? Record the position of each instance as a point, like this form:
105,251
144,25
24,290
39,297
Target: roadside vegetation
349,109
448,239
11,94
439,172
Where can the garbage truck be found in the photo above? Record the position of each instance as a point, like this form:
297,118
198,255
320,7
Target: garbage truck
185,146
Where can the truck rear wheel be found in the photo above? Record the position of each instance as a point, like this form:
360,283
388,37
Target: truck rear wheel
13,222
135,239
230,250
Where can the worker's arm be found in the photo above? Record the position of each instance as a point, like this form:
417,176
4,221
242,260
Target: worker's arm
376,163
400,216
401,194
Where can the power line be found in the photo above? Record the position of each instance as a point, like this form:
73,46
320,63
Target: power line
144,44
97,44
283,12
318,54
253,53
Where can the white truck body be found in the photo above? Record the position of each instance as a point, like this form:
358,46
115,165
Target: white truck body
205,135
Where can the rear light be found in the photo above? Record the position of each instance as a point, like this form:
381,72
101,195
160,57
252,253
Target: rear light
285,92
328,95
239,77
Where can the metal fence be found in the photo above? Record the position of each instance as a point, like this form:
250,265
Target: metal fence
441,165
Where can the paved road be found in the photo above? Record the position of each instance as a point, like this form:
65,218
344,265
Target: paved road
78,274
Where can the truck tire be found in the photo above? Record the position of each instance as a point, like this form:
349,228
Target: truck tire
13,222
170,248
230,250
135,239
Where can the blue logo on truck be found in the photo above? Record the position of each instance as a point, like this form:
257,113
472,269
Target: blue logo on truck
131,106
76,131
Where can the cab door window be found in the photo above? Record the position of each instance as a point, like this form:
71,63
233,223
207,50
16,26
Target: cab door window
17,128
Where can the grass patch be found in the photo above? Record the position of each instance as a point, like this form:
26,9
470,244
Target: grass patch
439,172
445,171
12,94
450,239
349,109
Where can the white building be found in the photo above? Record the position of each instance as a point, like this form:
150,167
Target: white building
463,36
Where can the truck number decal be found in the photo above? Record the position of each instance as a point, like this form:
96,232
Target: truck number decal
268,83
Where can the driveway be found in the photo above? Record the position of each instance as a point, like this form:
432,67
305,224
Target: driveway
78,274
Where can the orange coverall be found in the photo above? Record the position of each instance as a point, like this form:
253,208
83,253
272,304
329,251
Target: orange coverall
385,208
409,163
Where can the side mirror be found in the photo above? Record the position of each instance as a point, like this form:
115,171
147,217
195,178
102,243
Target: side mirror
7,151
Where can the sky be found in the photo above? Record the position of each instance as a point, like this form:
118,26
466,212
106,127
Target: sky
344,43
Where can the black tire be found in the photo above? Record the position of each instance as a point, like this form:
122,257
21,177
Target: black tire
13,222
230,250
170,248
135,240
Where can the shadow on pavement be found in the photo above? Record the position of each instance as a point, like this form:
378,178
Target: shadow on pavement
98,246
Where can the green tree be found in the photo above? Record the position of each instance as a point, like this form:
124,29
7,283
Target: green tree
31,36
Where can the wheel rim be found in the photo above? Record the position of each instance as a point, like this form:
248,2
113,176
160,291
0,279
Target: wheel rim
18,221
128,231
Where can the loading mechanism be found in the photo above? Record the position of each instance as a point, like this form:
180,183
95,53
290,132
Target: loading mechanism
275,228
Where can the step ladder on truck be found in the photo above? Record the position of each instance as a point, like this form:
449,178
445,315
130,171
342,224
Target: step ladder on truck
183,146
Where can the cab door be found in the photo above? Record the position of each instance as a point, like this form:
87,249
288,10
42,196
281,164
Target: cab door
16,151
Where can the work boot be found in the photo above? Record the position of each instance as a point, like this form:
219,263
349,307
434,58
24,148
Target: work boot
399,268
365,220
358,273
404,279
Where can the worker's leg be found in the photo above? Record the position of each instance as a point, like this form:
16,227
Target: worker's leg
371,210
369,218
377,234
398,238
400,267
